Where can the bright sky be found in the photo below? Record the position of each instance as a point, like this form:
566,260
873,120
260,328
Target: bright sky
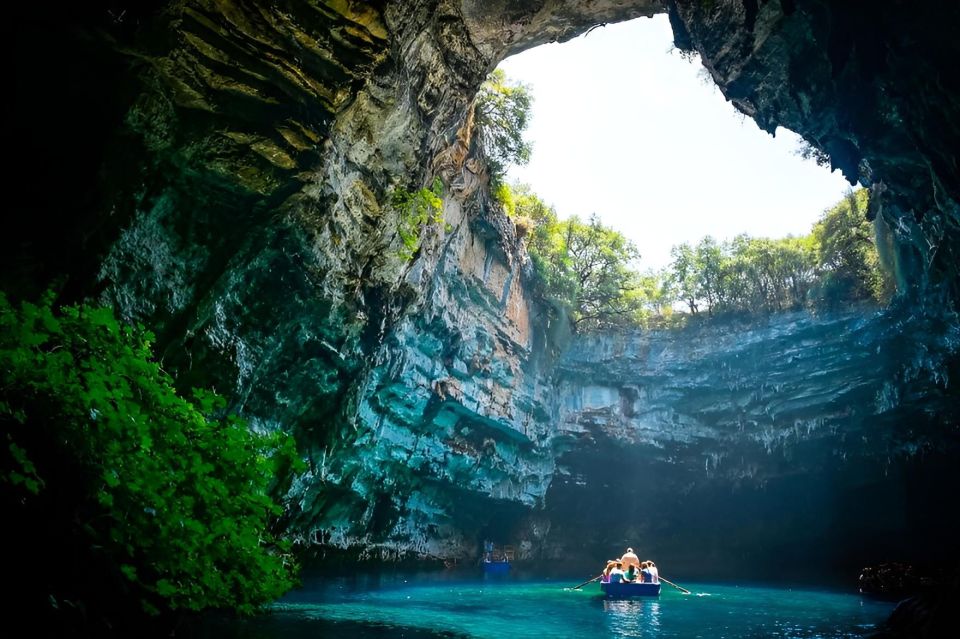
624,128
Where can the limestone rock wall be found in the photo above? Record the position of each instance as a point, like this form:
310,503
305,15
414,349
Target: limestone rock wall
451,420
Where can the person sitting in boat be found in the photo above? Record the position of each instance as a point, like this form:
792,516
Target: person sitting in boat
654,573
606,571
630,559
632,574
616,575
645,575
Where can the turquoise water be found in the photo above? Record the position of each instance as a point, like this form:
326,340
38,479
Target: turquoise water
446,606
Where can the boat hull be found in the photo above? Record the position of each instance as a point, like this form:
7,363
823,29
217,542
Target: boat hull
496,567
623,590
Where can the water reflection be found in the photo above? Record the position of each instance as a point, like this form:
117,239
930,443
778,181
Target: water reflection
632,618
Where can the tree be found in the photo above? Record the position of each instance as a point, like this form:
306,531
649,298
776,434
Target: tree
125,495
738,273
798,263
847,255
684,276
501,116
837,262
708,260
585,268
599,262
657,295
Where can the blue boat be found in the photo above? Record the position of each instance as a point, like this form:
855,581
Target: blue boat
496,567
496,559
626,590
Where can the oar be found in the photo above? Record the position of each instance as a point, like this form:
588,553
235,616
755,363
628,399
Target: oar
589,581
680,588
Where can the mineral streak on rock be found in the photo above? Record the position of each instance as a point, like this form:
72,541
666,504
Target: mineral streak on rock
221,171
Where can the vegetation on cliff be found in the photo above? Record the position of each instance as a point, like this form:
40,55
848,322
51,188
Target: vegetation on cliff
501,115
581,267
590,270
836,263
417,209
126,495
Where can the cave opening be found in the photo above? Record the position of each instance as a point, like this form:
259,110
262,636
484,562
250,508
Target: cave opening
625,125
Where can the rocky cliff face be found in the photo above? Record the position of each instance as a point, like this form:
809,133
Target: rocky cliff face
221,172
799,445
449,425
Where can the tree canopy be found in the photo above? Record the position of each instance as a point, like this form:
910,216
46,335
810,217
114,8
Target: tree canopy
582,267
590,270
501,116
745,274
836,263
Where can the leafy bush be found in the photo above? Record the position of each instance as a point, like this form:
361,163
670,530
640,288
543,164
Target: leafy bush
126,495
417,209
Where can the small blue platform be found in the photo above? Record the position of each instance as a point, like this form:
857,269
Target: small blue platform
496,567
626,590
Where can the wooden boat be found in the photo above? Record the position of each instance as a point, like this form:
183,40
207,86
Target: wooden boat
626,590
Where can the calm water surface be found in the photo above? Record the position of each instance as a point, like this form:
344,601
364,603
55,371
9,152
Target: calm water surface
445,606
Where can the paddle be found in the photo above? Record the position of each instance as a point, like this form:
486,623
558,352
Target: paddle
587,582
680,588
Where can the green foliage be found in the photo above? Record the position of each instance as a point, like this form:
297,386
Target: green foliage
744,276
808,151
505,195
847,254
417,209
836,263
599,278
583,267
125,494
587,272
584,270
501,115
685,280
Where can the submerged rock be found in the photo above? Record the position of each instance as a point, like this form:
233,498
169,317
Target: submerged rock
930,615
898,580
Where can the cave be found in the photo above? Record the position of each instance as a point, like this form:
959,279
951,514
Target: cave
221,173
